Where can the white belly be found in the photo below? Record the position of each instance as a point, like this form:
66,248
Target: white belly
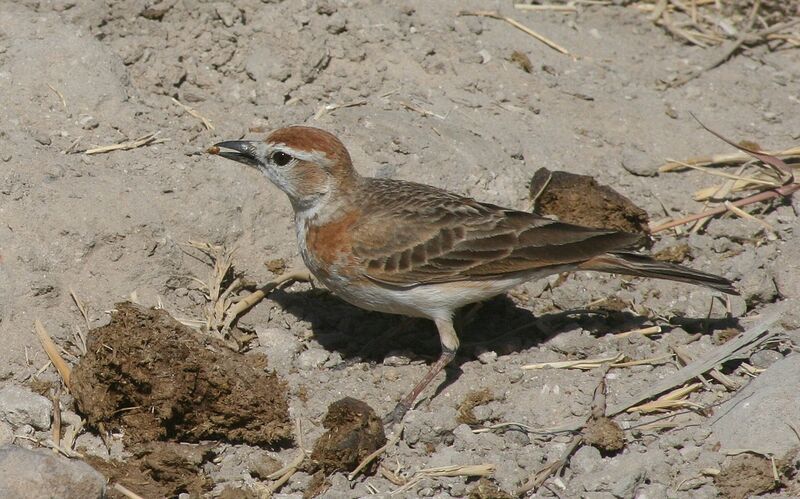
432,301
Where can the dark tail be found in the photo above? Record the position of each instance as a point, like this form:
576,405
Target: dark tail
644,266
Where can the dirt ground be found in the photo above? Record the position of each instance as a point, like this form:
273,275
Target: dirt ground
415,91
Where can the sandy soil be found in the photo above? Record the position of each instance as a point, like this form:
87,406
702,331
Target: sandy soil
415,92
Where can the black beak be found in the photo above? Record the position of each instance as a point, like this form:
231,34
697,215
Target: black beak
244,151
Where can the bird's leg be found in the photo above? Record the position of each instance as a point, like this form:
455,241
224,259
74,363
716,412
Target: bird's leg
449,339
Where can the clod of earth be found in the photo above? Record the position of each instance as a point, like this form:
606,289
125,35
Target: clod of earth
354,432
160,469
466,415
579,199
487,489
604,434
153,378
747,475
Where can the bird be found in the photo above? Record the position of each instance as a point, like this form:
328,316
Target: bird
412,249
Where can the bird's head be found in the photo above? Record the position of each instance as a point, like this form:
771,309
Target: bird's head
306,163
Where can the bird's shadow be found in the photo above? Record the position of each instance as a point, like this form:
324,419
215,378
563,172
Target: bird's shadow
498,325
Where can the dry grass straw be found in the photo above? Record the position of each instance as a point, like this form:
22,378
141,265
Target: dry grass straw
711,23
676,399
686,358
51,445
420,110
468,470
126,491
60,96
569,7
733,348
56,426
749,370
494,15
537,479
51,350
616,361
144,140
283,475
645,331
222,288
221,285
78,336
765,173
729,159
206,123
576,364
329,108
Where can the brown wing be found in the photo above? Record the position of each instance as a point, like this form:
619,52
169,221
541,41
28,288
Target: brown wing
418,234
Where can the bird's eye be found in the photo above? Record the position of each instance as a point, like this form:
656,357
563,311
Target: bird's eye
281,158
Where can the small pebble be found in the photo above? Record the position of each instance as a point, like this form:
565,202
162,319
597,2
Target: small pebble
586,459
40,473
41,138
765,358
312,358
20,406
227,13
487,356
88,122
397,358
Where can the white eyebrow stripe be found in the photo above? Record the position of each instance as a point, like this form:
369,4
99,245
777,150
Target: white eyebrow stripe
313,156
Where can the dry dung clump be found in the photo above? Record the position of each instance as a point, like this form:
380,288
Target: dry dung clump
746,475
354,432
604,434
579,199
152,378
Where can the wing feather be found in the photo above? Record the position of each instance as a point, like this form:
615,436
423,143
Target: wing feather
447,238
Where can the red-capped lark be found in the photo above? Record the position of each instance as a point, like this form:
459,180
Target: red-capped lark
413,249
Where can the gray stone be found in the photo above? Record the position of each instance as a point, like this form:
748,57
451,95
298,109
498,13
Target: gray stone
434,428
763,408
227,13
397,358
765,358
639,163
88,122
312,358
27,473
586,459
487,356
280,345
624,474
20,406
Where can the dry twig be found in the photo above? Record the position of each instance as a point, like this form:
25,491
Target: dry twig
145,140
494,15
